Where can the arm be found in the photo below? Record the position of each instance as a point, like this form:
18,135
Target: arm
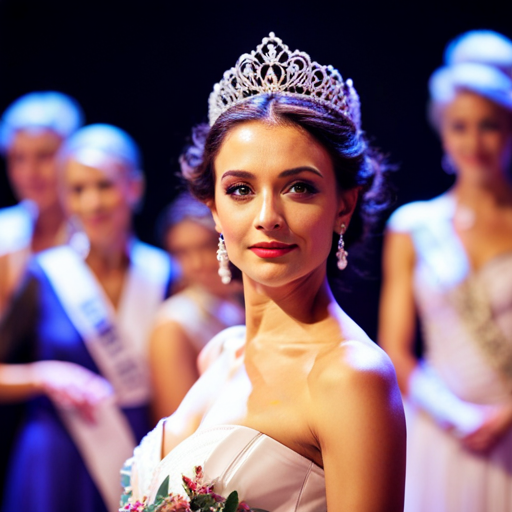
360,427
397,314
67,384
204,392
4,284
173,364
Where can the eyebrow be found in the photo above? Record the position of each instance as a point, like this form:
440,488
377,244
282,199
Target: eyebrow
284,174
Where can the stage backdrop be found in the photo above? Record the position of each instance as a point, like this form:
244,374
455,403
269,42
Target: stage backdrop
149,66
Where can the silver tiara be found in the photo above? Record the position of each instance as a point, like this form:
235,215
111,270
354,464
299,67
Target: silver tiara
273,68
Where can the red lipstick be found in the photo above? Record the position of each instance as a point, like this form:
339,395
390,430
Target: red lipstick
271,249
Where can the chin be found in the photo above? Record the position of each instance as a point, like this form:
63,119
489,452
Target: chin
98,238
43,202
277,278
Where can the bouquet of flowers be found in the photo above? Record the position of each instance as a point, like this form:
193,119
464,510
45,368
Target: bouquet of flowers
200,498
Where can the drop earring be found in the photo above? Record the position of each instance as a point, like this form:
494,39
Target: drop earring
223,259
342,254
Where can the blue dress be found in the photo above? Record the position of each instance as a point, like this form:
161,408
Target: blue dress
46,472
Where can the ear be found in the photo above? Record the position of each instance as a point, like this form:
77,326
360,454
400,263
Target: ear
346,206
211,204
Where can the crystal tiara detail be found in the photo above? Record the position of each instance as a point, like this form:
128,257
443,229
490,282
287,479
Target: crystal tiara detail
273,68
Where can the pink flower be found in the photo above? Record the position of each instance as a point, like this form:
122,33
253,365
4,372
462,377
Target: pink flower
190,483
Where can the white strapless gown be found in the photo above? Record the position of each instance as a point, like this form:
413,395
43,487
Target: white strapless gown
266,474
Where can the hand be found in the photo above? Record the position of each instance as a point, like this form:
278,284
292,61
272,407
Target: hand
496,421
71,386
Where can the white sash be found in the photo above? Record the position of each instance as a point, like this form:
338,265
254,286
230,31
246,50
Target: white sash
438,245
442,251
16,226
117,345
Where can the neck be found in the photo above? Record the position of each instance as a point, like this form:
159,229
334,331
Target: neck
494,193
48,227
109,258
281,311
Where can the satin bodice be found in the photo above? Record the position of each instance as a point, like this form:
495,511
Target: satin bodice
266,474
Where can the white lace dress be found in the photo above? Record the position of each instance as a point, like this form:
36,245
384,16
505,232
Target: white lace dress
466,318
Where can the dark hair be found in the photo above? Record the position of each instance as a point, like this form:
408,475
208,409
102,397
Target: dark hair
355,163
184,207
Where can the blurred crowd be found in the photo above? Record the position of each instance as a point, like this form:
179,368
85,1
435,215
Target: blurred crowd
96,325
101,334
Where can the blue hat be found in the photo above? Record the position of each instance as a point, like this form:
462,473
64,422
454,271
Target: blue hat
479,61
40,111
106,139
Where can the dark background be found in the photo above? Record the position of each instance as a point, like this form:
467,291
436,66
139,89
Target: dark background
148,67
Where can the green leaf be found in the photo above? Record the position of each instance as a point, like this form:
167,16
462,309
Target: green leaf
231,503
202,502
163,490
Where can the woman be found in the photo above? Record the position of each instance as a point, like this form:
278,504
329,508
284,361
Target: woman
32,130
301,411
74,344
450,261
189,319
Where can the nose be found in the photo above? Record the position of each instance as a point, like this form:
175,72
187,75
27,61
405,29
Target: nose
474,140
195,261
90,200
269,216
27,169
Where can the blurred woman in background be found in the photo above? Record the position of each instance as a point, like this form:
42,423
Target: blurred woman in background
192,317
32,130
74,342
450,261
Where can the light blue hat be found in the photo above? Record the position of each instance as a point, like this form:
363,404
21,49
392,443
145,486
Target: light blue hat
478,61
106,140
48,110
481,47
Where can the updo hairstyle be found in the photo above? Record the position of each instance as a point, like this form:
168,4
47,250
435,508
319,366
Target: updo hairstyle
355,163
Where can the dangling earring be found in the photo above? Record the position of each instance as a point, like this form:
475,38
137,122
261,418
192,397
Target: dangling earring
222,258
342,254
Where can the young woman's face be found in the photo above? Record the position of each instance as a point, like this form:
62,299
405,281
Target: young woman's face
477,136
32,166
101,199
194,247
276,202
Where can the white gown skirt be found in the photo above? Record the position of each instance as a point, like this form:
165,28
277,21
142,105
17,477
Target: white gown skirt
443,476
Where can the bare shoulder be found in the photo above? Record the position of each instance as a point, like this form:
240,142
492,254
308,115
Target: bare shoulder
354,391
356,373
411,216
356,363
